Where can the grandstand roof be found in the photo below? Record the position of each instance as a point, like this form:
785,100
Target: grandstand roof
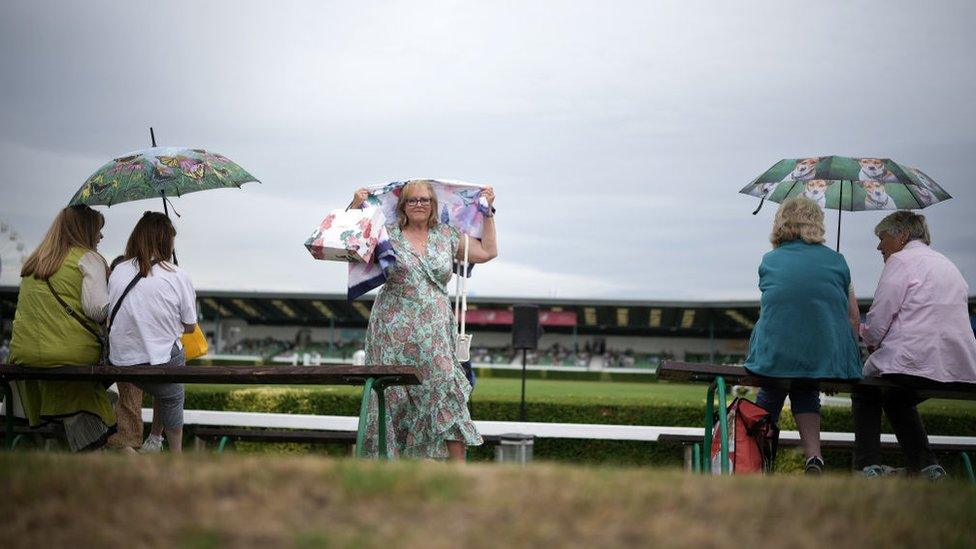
723,319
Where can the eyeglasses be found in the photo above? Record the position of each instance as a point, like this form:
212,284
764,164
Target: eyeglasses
418,201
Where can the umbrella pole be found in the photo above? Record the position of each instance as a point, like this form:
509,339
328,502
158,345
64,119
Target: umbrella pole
152,136
840,200
166,211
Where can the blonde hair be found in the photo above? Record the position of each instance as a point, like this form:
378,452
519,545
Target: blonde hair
798,217
401,207
74,227
905,222
152,240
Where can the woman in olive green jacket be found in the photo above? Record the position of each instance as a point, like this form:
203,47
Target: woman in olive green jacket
62,303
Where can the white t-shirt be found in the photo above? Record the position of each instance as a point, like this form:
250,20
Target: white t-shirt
152,314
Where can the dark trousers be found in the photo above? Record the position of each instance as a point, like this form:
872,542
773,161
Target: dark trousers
900,407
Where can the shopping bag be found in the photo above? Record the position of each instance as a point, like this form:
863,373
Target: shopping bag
194,343
752,439
347,235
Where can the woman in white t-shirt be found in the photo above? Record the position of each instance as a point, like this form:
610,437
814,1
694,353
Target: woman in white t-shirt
152,305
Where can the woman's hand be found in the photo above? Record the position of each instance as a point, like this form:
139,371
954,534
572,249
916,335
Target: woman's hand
489,194
358,197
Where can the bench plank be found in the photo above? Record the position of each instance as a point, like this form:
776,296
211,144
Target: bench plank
245,374
374,379
737,375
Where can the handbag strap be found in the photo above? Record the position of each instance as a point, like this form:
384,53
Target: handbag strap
464,288
71,312
118,304
125,292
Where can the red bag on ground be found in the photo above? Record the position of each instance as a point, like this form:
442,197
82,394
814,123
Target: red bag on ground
753,439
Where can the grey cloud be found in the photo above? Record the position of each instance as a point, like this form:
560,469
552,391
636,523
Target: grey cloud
617,138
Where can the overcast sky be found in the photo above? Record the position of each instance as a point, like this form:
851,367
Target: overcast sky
616,134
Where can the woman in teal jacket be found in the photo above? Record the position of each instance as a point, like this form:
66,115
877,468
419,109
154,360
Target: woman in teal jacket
808,320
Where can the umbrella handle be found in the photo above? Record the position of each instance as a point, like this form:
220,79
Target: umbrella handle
763,199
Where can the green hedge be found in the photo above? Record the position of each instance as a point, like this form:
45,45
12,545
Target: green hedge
326,402
497,373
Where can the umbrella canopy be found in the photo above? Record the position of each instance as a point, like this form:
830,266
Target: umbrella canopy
459,203
845,183
159,171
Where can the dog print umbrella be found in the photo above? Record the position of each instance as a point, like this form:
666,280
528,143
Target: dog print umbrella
846,183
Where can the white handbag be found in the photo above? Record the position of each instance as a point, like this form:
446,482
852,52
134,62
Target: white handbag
463,348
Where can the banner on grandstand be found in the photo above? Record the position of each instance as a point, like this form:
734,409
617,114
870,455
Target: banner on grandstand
503,317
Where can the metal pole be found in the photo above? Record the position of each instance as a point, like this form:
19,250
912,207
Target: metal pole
522,405
840,200
331,336
711,337
152,136
166,211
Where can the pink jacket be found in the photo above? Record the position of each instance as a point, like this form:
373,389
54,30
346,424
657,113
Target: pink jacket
919,320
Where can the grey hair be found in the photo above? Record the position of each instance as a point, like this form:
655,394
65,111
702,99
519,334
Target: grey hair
905,222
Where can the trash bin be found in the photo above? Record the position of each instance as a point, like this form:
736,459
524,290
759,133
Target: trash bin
514,448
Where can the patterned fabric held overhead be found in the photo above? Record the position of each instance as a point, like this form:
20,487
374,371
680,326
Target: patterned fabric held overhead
459,205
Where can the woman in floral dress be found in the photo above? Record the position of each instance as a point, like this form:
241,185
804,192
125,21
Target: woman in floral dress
412,323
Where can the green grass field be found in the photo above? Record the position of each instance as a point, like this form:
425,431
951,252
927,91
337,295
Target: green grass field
206,500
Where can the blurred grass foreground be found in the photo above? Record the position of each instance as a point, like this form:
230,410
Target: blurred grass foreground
208,500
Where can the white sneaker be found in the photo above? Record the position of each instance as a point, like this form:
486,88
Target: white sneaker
152,445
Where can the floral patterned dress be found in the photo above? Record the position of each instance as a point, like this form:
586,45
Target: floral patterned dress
412,323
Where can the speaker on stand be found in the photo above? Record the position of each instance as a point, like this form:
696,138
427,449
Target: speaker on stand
525,336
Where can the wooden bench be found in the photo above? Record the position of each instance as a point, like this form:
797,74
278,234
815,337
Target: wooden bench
720,376
374,379
226,435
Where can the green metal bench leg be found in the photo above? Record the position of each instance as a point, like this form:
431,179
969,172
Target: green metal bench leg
379,386
717,386
223,444
696,458
17,439
8,416
723,424
363,412
969,467
381,406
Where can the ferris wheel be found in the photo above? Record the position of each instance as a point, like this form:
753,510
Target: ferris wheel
13,254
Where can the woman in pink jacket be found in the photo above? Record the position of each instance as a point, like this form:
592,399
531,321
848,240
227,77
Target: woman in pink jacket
919,332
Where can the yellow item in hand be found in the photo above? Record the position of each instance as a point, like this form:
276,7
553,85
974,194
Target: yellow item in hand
194,343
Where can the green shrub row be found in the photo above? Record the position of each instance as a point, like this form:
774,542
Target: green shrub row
325,402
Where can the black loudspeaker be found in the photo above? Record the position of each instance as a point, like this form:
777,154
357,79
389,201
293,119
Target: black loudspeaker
525,327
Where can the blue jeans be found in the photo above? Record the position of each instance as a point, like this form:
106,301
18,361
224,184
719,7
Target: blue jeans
802,401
